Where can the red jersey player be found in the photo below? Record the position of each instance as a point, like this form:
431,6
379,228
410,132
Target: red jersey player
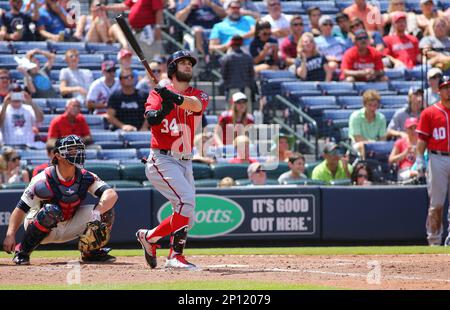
173,112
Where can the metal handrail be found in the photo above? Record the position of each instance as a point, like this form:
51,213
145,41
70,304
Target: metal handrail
306,118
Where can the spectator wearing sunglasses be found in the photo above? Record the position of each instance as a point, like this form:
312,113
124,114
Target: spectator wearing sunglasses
256,174
10,168
264,48
288,46
362,175
144,85
102,88
362,62
375,38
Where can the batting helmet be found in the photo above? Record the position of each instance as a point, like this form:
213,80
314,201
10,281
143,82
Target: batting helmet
173,59
72,149
444,80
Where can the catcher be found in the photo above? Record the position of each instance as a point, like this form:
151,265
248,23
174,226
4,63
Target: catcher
53,211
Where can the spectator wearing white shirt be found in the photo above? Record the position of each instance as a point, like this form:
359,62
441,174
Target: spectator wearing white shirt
74,82
102,88
280,22
18,117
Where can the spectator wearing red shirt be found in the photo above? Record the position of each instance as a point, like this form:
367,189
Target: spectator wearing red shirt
228,124
145,18
402,49
71,122
288,46
362,62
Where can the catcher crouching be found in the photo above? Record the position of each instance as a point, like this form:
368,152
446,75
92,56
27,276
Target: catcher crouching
52,208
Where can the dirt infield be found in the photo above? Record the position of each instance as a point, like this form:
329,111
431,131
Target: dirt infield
343,271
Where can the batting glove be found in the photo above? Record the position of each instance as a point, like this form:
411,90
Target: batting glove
169,95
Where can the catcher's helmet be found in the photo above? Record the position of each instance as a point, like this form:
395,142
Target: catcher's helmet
72,149
173,59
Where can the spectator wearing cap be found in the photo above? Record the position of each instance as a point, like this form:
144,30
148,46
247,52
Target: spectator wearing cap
411,18
74,82
429,14
125,60
402,49
432,92
375,38
36,79
237,69
288,47
232,123
403,153
15,25
396,127
367,125
296,171
5,81
342,28
19,116
280,26
71,122
370,15
310,65
10,168
144,85
102,88
200,15
362,62
264,48
256,174
437,46
234,23
242,151
332,48
314,15
335,165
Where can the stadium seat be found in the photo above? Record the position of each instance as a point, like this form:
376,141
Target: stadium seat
5,48
337,118
350,102
393,101
402,87
395,74
7,62
413,6
96,161
57,103
201,171
22,47
308,101
17,185
292,7
276,74
206,183
133,172
106,136
119,154
272,87
262,7
304,182
298,86
102,48
378,86
279,170
379,150
144,152
95,121
136,136
309,167
124,184
91,154
341,4
235,171
62,47
388,114
341,182
106,171
16,75
33,154
138,144
326,7
338,88
96,74
211,119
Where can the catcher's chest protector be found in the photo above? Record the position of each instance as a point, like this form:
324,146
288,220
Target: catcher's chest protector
67,195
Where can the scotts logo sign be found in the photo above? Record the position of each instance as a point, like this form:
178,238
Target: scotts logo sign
214,216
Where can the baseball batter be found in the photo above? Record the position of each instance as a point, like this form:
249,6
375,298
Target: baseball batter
433,130
173,112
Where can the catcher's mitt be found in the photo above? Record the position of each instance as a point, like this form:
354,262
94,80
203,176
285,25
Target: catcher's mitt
95,236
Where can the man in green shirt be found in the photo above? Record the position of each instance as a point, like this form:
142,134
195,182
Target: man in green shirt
367,125
334,167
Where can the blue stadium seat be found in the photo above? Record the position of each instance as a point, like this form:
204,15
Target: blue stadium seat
91,154
22,47
341,4
444,4
272,87
136,136
379,86
47,119
106,171
4,5
119,154
326,7
402,87
413,5
393,101
95,121
138,144
293,7
211,119
201,171
308,101
102,48
96,161
16,75
395,74
54,75
57,103
276,74
338,88
42,104
62,47
206,183
101,136
96,74
388,114
5,48
7,62
383,5
379,150
337,118
144,152
33,154
261,6
96,59
133,172
288,87
416,73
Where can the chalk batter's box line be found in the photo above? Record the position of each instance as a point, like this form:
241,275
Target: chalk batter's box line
275,233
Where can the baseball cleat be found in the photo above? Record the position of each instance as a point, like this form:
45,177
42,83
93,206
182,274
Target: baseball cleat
21,259
149,248
179,262
98,256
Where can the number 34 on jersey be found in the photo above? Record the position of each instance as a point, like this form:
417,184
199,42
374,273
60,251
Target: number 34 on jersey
171,127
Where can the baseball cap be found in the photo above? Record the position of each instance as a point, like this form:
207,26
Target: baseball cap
445,80
332,149
124,53
411,121
397,16
415,90
238,96
360,33
254,167
108,65
237,40
325,19
433,72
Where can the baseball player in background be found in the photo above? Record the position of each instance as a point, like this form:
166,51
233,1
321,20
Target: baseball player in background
433,130
173,113
52,208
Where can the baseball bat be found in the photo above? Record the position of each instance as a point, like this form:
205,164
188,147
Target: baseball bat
136,47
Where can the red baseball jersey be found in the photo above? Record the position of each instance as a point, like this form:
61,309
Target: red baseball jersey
352,60
434,126
405,48
177,130
143,12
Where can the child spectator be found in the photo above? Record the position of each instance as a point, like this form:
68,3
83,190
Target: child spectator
296,171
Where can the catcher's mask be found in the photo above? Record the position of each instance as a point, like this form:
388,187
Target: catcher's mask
175,57
72,149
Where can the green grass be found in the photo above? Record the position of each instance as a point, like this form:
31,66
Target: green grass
375,250
192,285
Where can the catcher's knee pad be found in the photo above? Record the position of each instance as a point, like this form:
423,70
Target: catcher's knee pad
49,216
108,217
179,239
